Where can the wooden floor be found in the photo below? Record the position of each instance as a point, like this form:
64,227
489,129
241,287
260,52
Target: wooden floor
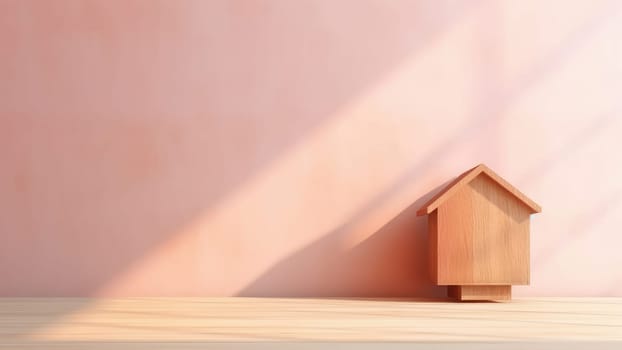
176,323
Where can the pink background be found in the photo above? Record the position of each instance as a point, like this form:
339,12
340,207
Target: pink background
156,148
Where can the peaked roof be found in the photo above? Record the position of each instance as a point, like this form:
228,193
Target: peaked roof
464,179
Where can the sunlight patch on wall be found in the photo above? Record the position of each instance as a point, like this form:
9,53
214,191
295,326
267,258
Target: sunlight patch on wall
325,179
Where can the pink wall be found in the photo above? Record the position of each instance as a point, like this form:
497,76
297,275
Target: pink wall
277,147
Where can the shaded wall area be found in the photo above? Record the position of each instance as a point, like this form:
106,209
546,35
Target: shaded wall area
281,147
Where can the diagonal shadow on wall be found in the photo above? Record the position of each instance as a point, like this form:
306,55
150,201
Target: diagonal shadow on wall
401,244
141,118
391,262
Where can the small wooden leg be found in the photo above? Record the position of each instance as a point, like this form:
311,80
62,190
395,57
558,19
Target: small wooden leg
480,292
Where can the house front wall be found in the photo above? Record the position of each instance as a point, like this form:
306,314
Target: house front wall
482,236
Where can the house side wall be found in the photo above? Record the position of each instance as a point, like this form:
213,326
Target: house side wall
433,245
455,239
483,236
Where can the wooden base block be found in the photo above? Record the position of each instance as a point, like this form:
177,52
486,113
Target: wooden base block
480,292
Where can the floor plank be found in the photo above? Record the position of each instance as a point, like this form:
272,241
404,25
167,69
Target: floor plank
194,322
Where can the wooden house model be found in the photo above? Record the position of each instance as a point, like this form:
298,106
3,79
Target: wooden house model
479,236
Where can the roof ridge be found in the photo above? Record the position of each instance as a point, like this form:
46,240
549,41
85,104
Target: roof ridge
466,178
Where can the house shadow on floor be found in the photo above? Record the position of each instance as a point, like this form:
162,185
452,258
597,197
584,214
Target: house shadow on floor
390,263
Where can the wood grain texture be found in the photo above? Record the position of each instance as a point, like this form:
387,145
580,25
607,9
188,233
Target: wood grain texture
464,179
483,236
500,234
433,246
480,292
186,322
455,239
